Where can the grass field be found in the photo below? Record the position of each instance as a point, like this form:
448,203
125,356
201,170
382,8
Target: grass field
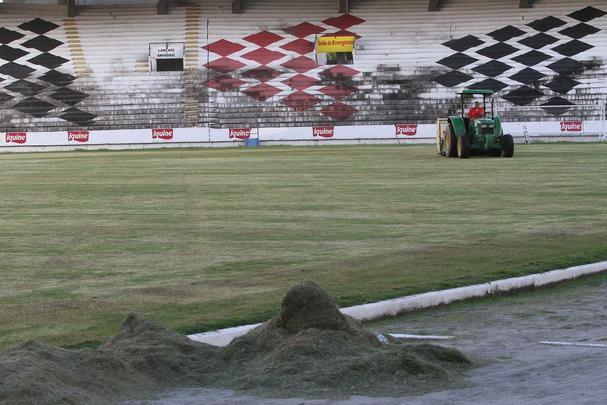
200,239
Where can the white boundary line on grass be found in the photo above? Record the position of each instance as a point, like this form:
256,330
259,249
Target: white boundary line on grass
393,307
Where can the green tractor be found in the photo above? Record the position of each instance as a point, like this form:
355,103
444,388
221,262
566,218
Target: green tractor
460,136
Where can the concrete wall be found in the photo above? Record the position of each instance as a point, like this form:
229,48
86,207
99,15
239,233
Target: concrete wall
256,69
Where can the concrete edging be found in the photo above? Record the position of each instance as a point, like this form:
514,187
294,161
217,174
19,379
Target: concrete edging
396,306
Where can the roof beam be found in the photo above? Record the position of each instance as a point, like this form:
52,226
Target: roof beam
525,3
237,6
343,6
162,7
71,8
434,5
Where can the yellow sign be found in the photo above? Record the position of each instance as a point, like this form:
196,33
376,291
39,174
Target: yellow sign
335,43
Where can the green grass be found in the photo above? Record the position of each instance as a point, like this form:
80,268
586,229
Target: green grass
200,239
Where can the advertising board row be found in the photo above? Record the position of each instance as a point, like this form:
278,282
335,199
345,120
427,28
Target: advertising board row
234,135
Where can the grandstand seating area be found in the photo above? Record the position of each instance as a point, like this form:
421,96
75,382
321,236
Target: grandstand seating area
257,68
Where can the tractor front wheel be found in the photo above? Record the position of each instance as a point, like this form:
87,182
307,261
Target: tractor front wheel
450,143
507,146
463,147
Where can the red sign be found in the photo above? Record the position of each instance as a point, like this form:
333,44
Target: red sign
325,132
16,137
162,133
240,133
571,126
78,136
406,129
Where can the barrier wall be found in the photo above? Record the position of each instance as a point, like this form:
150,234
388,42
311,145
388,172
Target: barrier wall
326,134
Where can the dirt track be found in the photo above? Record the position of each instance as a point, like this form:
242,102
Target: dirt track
503,334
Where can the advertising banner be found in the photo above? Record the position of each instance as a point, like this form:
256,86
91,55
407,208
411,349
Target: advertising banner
16,137
239,133
78,136
324,132
406,129
572,126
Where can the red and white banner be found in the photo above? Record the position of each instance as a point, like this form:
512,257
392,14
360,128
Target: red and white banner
165,134
324,132
406,129
572,126
239,133
16,137
78,136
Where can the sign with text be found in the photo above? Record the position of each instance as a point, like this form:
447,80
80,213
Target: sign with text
572,126
335,43
240,133
164,134
406,129
78,136
324,132
16,137
167,50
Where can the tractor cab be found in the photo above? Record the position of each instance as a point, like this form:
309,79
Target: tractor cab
479,124
477,132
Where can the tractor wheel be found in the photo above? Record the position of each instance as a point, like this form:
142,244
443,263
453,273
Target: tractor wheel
463,147
507,146
450,143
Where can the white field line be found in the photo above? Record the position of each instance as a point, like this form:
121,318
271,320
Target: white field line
383,309
419,337
574,344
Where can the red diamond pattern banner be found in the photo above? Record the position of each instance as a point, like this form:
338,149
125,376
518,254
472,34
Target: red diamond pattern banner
300,46
304,29
263,56
301,71
338,91
344,21
262,73
224,83
224,65
301,64
263,38
340,73
223,47
346,33
262,92
339,111
300,101
300,82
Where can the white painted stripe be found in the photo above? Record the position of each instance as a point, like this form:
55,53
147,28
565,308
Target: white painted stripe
419,337
574,344
383,309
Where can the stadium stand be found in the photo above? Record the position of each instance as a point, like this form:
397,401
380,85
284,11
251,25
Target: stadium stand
256,68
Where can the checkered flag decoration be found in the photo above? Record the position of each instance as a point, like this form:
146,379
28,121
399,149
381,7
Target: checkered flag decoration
524,61
30,77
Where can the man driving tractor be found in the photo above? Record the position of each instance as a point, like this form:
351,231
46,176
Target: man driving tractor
476,112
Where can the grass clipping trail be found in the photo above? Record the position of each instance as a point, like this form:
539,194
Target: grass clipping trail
310,349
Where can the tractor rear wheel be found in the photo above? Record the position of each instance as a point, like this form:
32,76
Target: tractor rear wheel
463,147
450,143
507,146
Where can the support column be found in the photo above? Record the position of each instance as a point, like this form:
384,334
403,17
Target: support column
343,6
434,5
237,6
162,7
71,8
525,3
